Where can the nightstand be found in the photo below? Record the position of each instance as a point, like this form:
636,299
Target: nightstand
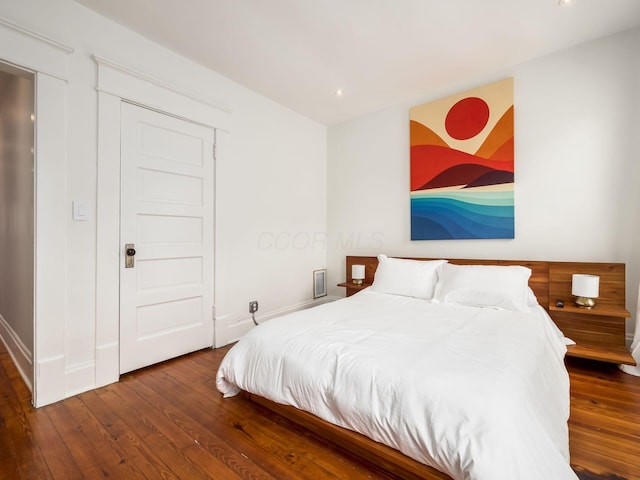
353,288
599,332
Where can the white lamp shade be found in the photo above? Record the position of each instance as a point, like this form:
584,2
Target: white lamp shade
583,285
357,272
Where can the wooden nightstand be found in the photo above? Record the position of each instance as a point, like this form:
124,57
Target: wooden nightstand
353,288
599,332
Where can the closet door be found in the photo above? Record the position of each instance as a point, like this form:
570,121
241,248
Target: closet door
166,233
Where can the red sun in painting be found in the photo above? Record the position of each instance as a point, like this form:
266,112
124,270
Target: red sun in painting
467,118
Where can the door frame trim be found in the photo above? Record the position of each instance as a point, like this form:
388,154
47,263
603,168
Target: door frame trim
48,60
116,84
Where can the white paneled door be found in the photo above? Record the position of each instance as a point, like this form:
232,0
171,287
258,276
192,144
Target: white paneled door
166,233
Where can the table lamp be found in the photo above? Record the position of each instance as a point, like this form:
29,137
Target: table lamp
585,288
357,274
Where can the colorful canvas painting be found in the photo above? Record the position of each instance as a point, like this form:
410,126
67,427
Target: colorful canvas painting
462,165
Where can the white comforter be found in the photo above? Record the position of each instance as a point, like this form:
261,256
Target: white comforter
477,393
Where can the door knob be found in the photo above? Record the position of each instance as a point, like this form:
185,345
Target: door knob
130,252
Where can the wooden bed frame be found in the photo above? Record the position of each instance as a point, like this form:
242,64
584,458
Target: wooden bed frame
550,281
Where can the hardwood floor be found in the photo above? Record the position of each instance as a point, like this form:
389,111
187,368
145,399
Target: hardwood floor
168,421
604,428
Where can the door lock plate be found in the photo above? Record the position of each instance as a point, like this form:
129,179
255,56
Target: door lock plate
130,253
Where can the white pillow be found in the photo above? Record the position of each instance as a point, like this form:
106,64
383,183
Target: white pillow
504,287
411,278
532,300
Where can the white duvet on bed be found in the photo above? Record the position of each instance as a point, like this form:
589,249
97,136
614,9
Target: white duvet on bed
477,393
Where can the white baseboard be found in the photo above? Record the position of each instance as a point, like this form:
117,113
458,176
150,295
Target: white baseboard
294,308
107,364
20,354
238,326
49,387
80,378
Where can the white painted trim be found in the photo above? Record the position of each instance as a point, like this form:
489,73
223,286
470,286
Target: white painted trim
148,92
48,59
37,53
50,282
108,239
294,308
107,356
116,84
18,351
238,326
42,38
50,380
80,378
132,73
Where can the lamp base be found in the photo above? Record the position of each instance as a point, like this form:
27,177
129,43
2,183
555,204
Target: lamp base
585,302
357,281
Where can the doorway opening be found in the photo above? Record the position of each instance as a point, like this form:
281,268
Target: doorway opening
17,218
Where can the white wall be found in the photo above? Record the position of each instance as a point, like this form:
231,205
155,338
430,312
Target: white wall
576,158
270,177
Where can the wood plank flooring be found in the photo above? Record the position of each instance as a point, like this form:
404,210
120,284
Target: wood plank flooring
169,422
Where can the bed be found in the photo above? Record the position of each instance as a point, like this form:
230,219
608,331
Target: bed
465,380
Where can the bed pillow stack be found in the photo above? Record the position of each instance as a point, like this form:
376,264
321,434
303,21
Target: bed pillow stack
503,287
410,278
492,286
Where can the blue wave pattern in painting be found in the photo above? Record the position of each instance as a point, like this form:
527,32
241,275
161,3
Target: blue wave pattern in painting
462,215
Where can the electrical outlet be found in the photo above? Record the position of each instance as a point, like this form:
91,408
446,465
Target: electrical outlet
253,306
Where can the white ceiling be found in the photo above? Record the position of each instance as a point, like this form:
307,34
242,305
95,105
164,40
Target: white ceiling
379,52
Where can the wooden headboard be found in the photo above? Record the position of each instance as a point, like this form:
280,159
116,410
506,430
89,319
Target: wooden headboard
599,333
550,281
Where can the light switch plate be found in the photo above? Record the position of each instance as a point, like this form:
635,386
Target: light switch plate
80,211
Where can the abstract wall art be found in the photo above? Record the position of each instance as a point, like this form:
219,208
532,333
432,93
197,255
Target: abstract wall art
462,165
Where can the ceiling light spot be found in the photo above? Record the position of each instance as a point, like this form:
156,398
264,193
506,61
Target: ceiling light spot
339,92
564,2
